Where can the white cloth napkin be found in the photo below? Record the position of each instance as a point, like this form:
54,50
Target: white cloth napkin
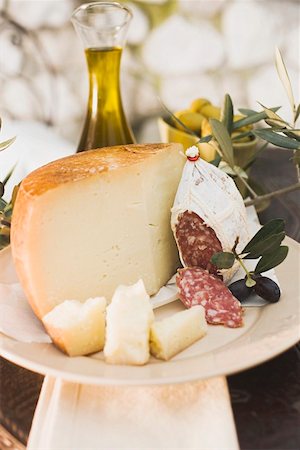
186,416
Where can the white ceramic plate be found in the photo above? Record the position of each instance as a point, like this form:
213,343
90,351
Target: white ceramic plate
267,332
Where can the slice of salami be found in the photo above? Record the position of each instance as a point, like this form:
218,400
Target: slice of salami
196,241
198,287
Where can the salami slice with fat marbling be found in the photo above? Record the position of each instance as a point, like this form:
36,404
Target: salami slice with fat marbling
197,241
199,287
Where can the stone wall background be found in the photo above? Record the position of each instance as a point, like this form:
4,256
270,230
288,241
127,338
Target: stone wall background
178,50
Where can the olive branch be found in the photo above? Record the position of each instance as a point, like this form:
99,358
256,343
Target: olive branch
264,246
278,132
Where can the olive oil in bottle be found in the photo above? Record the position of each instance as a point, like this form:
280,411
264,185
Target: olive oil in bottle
105,122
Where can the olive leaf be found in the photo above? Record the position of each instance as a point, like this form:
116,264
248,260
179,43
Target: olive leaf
241,136
223,260
5,144
274,120
277,139
275,123
6,179
251,119
216,161
174,118
14,194
284,77
297,114
222,136
272,227
204,139
267,245
227,113
272,259
294,134
247,112
236,170
3,204
272,114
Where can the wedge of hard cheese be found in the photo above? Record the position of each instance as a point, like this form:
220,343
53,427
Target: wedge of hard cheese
129,317
77,328
177,332
87,223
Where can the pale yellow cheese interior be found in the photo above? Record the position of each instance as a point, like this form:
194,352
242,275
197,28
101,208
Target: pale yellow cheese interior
84,238
77,328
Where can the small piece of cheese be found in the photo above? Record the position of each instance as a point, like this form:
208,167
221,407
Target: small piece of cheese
84,224
77,328
173,334
128,321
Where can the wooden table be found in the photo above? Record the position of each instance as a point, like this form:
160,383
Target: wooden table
265,399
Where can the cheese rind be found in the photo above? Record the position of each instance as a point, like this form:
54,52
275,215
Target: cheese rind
84,224
129,317
177,332
77,328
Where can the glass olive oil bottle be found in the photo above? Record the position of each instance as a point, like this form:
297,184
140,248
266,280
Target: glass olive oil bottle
105,122
102,27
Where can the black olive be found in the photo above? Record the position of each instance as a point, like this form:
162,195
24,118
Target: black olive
267,289
240,290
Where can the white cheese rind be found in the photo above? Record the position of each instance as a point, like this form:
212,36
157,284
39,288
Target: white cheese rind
213,195
128,321
173,334
77,328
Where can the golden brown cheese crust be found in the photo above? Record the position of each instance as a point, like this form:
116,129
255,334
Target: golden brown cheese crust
82,165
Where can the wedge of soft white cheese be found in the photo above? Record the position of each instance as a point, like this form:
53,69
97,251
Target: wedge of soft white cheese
128,321
177,332
77,328
211,194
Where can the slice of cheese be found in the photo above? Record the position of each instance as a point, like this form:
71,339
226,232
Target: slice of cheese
87,223
128,321
77,328
177,332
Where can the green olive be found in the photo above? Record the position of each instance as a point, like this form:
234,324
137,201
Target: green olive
190,119
211,112
198,104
